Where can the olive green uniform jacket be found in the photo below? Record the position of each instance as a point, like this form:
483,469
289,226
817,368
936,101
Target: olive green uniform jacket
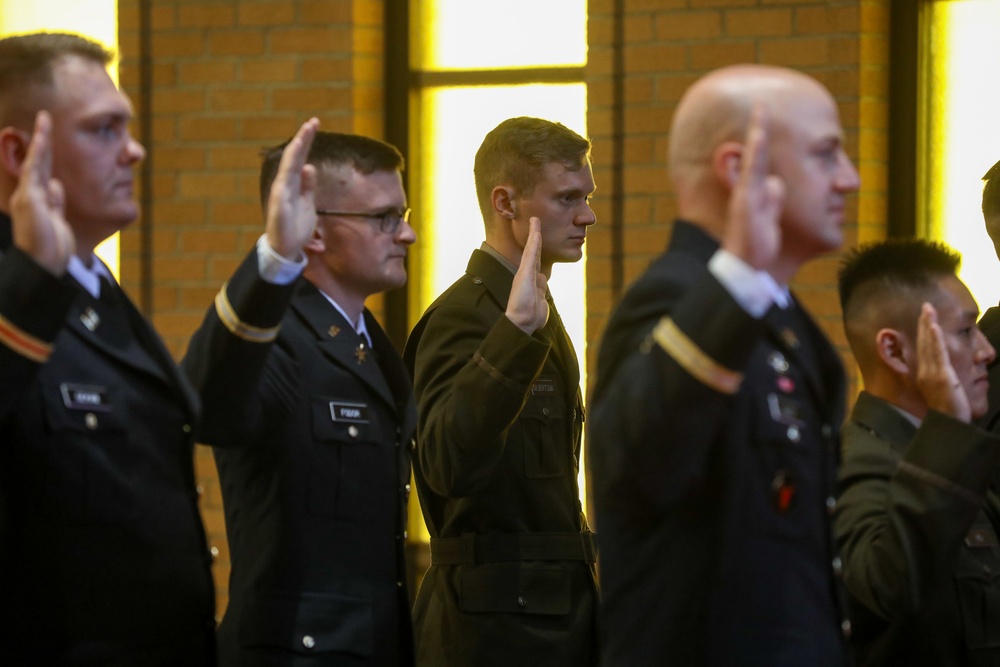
500,415
917,525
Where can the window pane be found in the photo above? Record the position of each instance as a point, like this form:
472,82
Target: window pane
464,34
963,135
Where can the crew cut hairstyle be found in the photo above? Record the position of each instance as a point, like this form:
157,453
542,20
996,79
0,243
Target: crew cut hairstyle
26,63
516,150
364,154
893,268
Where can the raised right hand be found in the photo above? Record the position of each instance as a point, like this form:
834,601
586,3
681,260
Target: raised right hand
38,223
527,307
291,211
936,378
753,231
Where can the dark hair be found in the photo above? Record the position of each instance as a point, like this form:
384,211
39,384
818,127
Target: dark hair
26,61
893,268
365,154
991,203
514,152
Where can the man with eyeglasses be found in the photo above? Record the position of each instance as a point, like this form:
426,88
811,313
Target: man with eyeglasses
311,413
511,580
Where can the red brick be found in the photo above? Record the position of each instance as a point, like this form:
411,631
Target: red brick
207,184
236,43
234,157
266,13
272,70
205,15
324,11
208,128
310,40
711,55
758,23
205,71
170,44
654,58
241,100
689,26
312,98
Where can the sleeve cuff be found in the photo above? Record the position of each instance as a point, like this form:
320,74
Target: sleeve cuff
755,291
274,268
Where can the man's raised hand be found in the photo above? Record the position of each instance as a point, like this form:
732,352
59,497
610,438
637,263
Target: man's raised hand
527,307
753,231
291,208
38,223
936,378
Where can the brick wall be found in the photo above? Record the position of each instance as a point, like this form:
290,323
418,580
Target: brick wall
228,78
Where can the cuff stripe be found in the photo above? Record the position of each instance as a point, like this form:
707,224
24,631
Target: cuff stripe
237,327
24,343
691,358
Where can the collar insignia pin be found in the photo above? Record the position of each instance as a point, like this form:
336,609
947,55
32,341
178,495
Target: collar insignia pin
790,338
333,331
361,353
90,319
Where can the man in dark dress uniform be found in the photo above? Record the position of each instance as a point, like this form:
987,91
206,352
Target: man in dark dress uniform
311,413
916,518
511,580
715,414
103,559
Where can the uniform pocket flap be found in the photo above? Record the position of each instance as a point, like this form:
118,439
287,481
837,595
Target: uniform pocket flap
310,623
514,588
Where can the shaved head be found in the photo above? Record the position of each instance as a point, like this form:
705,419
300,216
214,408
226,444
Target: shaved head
805,150
717,109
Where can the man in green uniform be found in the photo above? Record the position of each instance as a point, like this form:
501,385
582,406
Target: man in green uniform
917,516
500,415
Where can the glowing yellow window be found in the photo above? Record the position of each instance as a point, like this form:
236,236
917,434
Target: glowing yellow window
962,136
464,35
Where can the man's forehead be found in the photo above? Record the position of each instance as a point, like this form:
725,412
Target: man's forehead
558,173
954,299
80,82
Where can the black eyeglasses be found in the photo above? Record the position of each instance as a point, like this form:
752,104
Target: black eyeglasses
389,221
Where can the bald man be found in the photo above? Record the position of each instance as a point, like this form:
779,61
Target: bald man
714,422
917,516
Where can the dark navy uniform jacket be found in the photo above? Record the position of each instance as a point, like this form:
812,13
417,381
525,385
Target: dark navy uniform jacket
714,442
312,439
103,559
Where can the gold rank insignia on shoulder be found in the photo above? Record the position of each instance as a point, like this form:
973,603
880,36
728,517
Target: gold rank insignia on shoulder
90,319
333,331
361,353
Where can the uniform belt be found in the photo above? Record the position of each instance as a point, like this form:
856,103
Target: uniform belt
471,548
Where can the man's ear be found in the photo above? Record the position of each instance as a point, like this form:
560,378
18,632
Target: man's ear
727,159
315,244
503,201
892,348
13,149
